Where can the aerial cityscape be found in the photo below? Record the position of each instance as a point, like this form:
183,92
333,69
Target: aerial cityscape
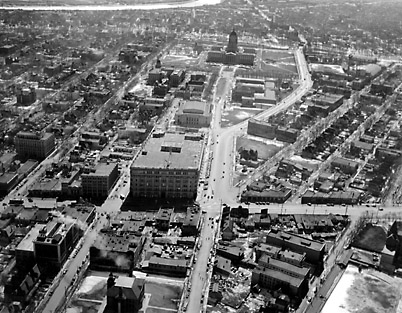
217,156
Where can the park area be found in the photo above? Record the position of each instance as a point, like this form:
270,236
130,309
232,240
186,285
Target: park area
368,291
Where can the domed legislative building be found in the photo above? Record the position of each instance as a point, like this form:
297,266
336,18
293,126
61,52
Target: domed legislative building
232,55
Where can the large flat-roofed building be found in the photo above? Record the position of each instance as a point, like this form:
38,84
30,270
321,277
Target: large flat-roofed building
34,145
99,182
193,114
314,250
7,182
168,167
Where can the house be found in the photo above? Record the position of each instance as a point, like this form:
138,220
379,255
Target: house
227,231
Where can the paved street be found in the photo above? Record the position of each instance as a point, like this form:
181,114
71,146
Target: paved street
220,188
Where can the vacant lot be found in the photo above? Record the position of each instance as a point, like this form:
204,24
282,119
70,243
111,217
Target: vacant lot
265,151
371,238
237,115
164,296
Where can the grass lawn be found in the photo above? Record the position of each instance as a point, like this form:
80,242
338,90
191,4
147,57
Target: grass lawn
179,60
278,55
220,87
371,238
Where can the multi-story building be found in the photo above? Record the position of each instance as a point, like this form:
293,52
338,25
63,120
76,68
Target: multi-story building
100,180
7,182
54,244
314,250
193,114
116,250
34,145
261,129
25,96
168,166
232,54
24,252
163,218
273,280
124,294
191,222
284,267
165,266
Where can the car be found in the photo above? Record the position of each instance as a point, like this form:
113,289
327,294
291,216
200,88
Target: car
380,209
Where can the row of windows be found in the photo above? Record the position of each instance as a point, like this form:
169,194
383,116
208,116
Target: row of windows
164,173
281,270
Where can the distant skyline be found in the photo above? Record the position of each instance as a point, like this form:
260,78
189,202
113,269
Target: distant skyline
117,7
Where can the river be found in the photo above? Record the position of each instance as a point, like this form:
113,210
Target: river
117,7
